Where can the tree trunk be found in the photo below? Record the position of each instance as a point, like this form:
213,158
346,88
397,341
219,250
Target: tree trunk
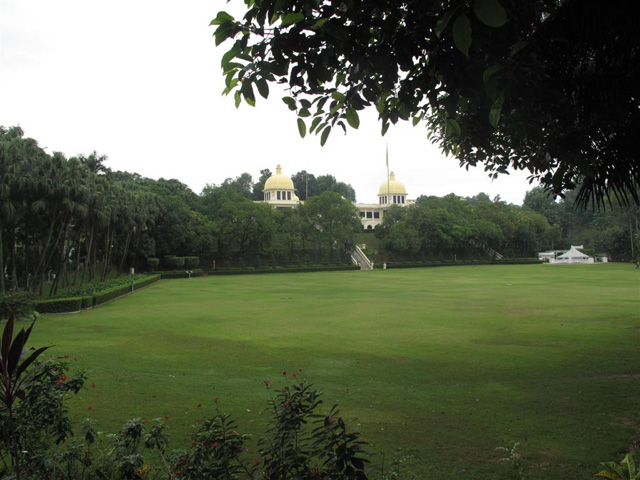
2,286
45,247
87,263
124,254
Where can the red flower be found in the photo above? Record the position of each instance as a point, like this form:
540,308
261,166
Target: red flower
199,405
177,472
59,382
283,389
66,355
215,399
256,461
145,421
295,375
214,444
286,404
266,383
166,417
284,372
89,407
63,377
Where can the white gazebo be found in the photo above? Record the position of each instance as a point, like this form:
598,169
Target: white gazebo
573,256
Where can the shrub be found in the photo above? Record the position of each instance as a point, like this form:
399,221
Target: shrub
191,262
20,304
87,302
59,305
120,290
153,262
171,262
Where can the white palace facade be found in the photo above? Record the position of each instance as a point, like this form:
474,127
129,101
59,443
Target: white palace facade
279,191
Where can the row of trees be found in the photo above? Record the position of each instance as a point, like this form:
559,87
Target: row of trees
78,220
448,226
444,227
72,220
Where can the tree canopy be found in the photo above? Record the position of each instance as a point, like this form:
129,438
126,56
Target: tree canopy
550,86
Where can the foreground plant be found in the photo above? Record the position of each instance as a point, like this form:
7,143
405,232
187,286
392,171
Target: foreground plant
626,470
32,395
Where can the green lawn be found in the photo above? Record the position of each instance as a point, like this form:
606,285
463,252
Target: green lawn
441,365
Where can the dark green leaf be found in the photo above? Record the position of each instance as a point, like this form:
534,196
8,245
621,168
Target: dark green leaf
319,23
489,72
462,34
221,18
302,128
490,12
291,18
496,111
316,121
238,98
291,103
263,87
325,136
517,47
443,21
352,118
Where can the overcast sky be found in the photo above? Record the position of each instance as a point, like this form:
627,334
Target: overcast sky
140,82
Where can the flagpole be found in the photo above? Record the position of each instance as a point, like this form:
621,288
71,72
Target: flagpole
388,184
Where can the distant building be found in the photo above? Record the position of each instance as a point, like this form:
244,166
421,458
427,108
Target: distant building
279,191
391,192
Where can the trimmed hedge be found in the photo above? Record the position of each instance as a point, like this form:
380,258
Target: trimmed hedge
87,302
153,262
310,268
191,262
180,274
120,290
75,304
172,262
59,305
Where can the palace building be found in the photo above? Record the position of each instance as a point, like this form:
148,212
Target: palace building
279,191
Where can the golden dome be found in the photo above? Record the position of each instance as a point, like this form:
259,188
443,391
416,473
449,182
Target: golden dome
393,187
278,181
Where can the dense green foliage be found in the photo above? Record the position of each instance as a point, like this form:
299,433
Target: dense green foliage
452,227
615,232
432,362
542,86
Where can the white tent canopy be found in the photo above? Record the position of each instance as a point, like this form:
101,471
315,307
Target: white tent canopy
573,254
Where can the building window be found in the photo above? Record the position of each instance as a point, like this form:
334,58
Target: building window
362,214
278,195
288,195
369,215
376,214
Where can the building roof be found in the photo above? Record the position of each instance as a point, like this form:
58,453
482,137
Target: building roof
573,253
278,181
393,187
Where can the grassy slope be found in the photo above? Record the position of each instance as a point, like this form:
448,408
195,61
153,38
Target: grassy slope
443,364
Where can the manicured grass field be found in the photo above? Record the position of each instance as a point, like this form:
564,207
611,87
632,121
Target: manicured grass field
439,366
